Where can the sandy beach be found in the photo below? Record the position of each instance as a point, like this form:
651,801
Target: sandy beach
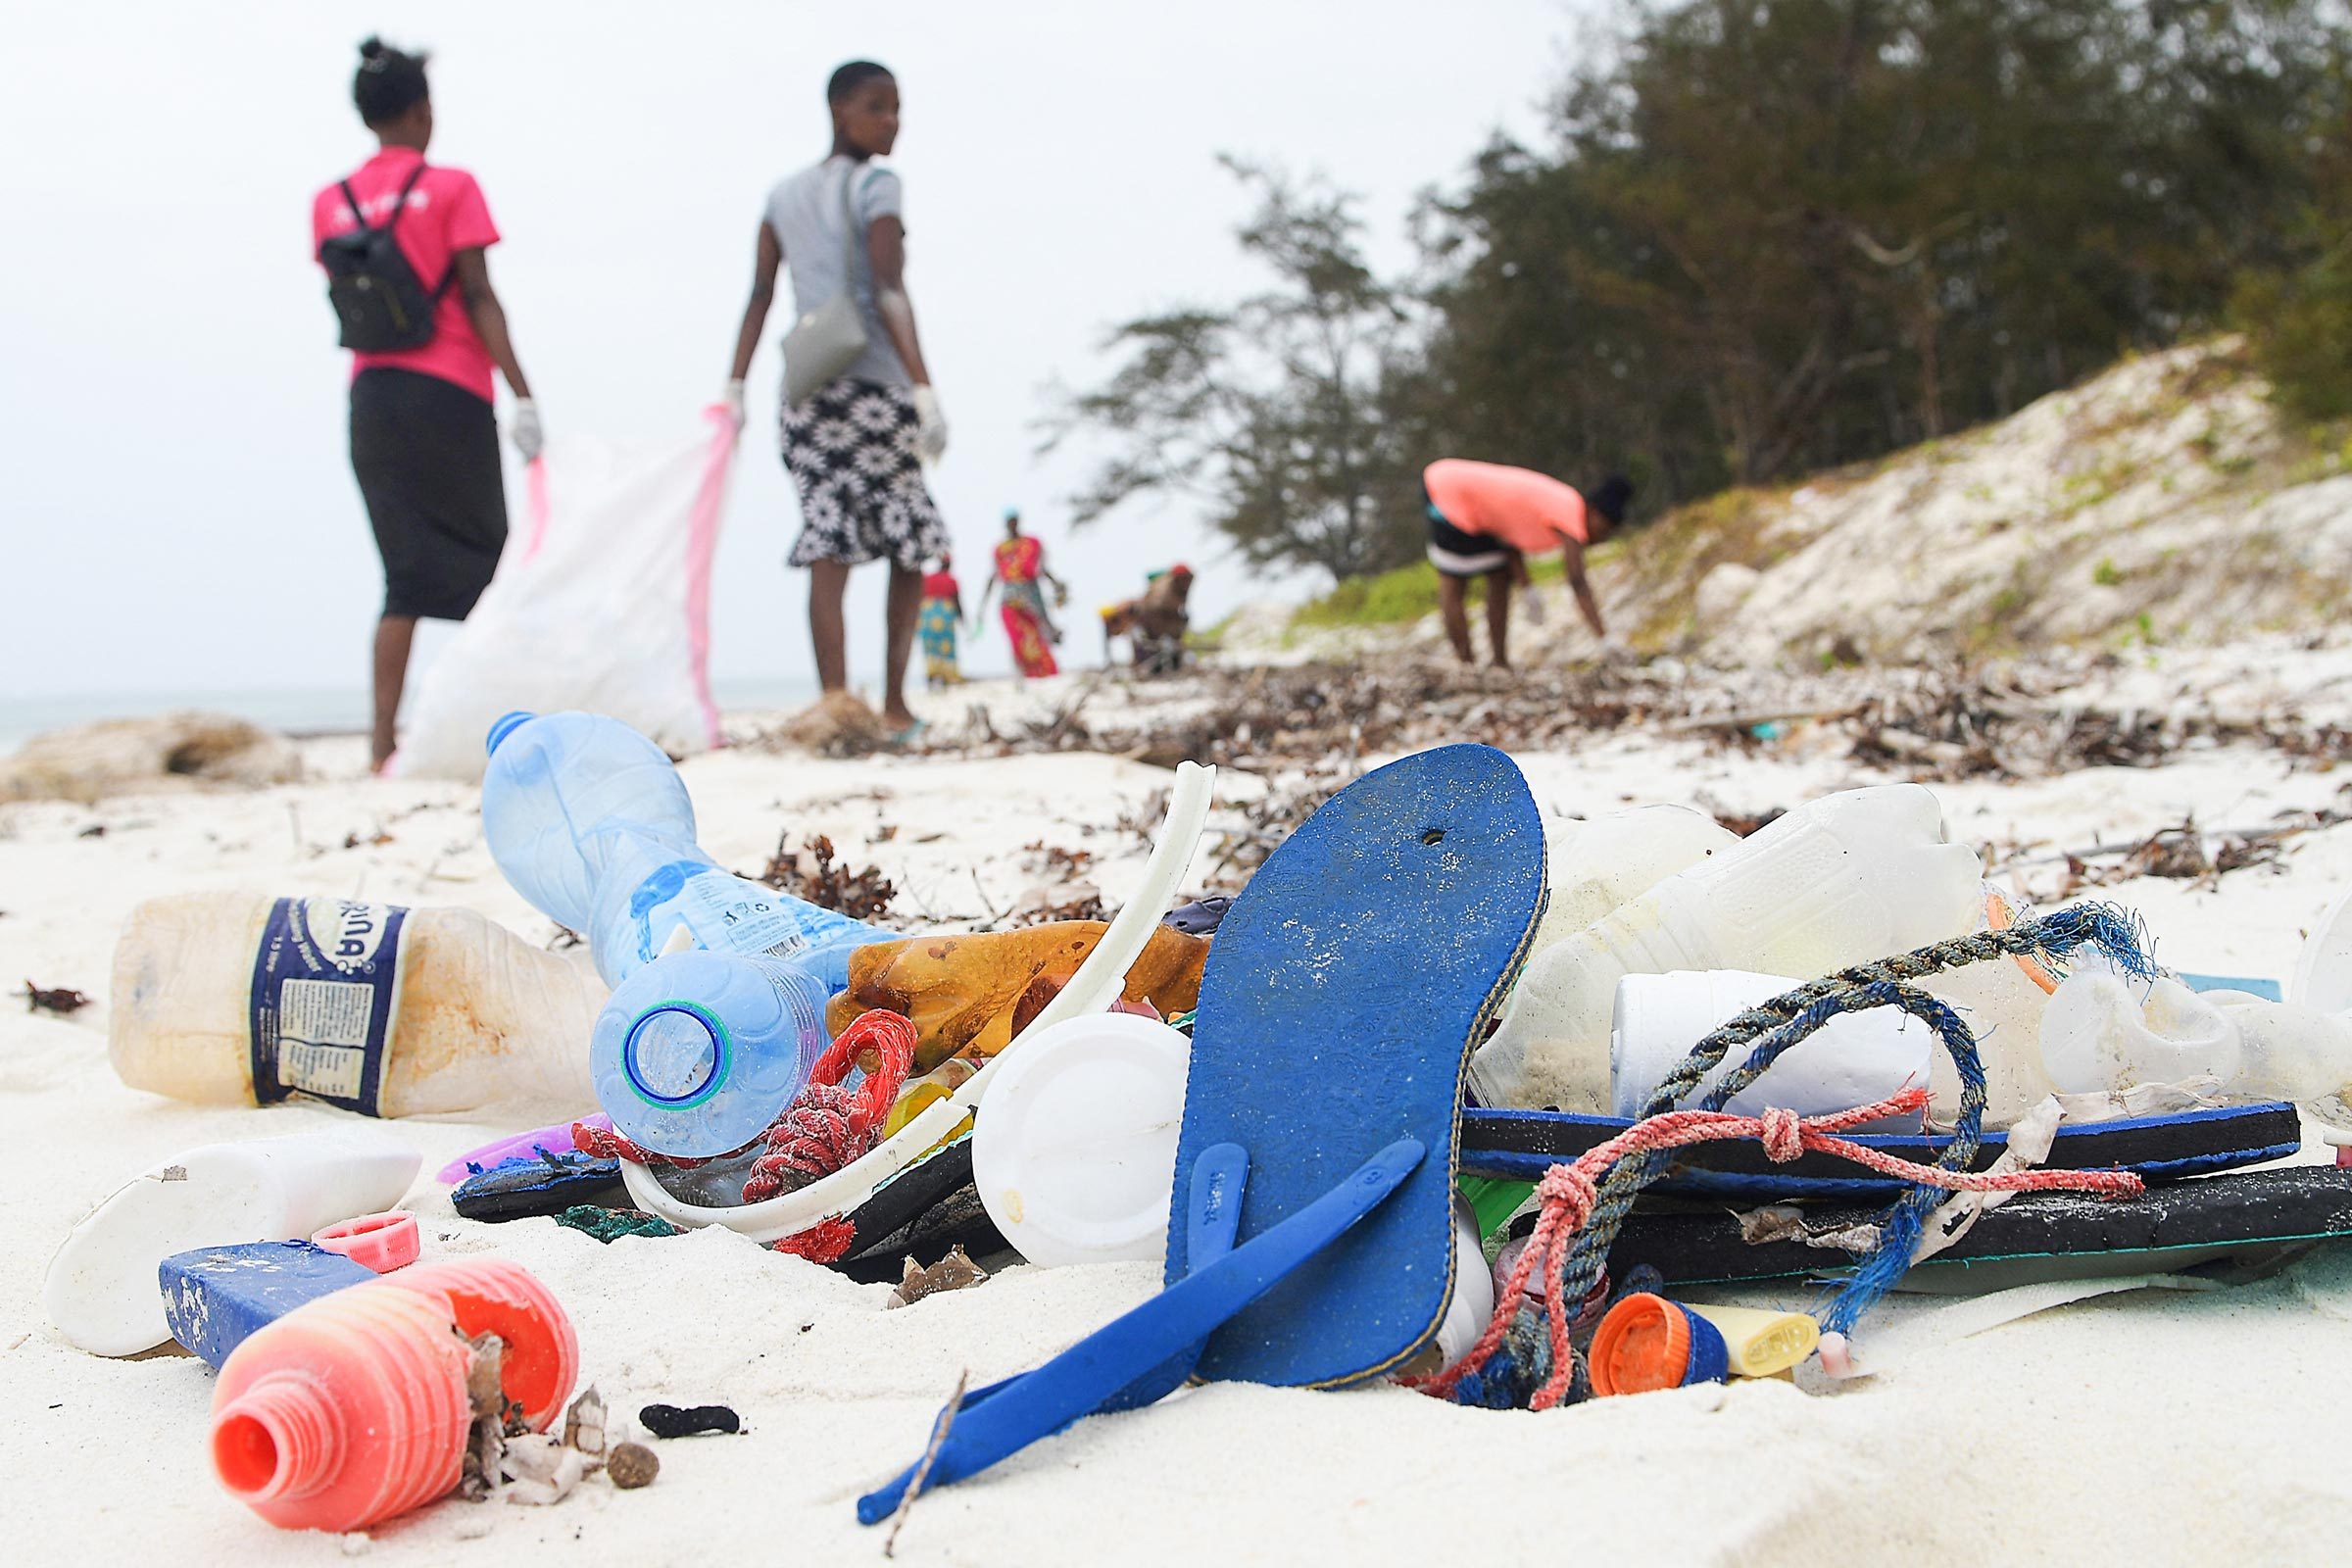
2205,1410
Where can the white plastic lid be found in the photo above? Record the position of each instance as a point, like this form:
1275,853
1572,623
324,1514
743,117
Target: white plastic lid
1074,1153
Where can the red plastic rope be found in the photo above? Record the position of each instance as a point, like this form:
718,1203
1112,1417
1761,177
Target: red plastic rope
1568,1193
826,1127
822,1130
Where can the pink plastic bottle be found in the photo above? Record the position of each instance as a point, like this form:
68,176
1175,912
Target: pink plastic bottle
353,1409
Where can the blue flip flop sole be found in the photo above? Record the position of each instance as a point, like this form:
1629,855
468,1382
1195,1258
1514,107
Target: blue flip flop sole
1345,990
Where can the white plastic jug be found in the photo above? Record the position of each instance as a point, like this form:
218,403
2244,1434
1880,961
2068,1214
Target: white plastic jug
1854,1059
2103,1031
102,1291
1593,865
1846,878
228,999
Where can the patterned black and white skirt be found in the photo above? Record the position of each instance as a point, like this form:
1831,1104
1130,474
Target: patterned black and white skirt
850,451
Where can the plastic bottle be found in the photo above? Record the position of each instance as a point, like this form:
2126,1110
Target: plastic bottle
696,1053
354,1409
590,821
228,999
1851,877
1854,1059
2103,1031
101,1287
1594,866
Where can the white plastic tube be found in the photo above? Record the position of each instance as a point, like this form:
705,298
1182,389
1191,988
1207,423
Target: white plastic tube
1854,1059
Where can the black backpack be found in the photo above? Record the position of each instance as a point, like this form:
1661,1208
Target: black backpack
376,294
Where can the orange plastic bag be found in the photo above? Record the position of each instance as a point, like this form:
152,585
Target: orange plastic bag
969,995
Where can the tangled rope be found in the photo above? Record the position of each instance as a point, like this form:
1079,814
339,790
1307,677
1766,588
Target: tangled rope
824,1128
827,1126
1601,1187
1569,1194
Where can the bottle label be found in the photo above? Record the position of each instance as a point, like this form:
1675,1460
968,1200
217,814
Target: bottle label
325,986
725,913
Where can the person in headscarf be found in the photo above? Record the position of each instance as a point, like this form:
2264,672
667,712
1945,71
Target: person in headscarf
1021,566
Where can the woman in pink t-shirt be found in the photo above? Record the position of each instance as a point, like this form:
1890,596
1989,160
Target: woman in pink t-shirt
424,440
1485,520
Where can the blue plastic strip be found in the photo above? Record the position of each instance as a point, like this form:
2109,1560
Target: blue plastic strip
2267,989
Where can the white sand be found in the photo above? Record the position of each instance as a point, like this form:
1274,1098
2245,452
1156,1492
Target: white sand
2154,1427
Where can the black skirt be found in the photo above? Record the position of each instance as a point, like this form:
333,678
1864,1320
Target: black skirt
425,452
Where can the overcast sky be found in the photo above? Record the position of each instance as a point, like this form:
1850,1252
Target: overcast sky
179,513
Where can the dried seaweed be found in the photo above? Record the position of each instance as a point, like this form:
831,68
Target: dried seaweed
812,875
58,1000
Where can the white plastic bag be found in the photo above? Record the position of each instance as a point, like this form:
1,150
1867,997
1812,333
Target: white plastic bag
601,602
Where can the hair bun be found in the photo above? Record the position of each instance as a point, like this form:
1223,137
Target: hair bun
373,48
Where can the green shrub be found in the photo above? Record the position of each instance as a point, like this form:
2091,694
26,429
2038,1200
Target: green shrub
2300,326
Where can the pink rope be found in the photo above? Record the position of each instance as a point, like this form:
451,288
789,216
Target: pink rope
1569,1191
702,545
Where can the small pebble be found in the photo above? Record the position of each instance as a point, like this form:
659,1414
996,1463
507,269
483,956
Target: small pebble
357,1544
668,1421
632,1465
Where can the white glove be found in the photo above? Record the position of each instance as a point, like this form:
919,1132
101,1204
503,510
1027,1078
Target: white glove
931,429
734,402
522,428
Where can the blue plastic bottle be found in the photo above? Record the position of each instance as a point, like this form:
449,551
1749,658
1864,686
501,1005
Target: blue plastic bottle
589,822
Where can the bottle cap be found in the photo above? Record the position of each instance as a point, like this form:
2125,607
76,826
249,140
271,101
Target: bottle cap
1648,1342
506,725
381,1242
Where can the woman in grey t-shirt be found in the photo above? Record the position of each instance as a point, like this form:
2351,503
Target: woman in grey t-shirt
856,448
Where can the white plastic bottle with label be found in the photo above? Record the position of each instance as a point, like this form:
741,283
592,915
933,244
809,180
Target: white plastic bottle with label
228,999
1846,878
1592,866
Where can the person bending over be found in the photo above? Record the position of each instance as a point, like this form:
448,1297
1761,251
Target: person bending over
1485,520
855,447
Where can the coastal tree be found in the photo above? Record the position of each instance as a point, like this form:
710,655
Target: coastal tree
1772,237
1274,411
